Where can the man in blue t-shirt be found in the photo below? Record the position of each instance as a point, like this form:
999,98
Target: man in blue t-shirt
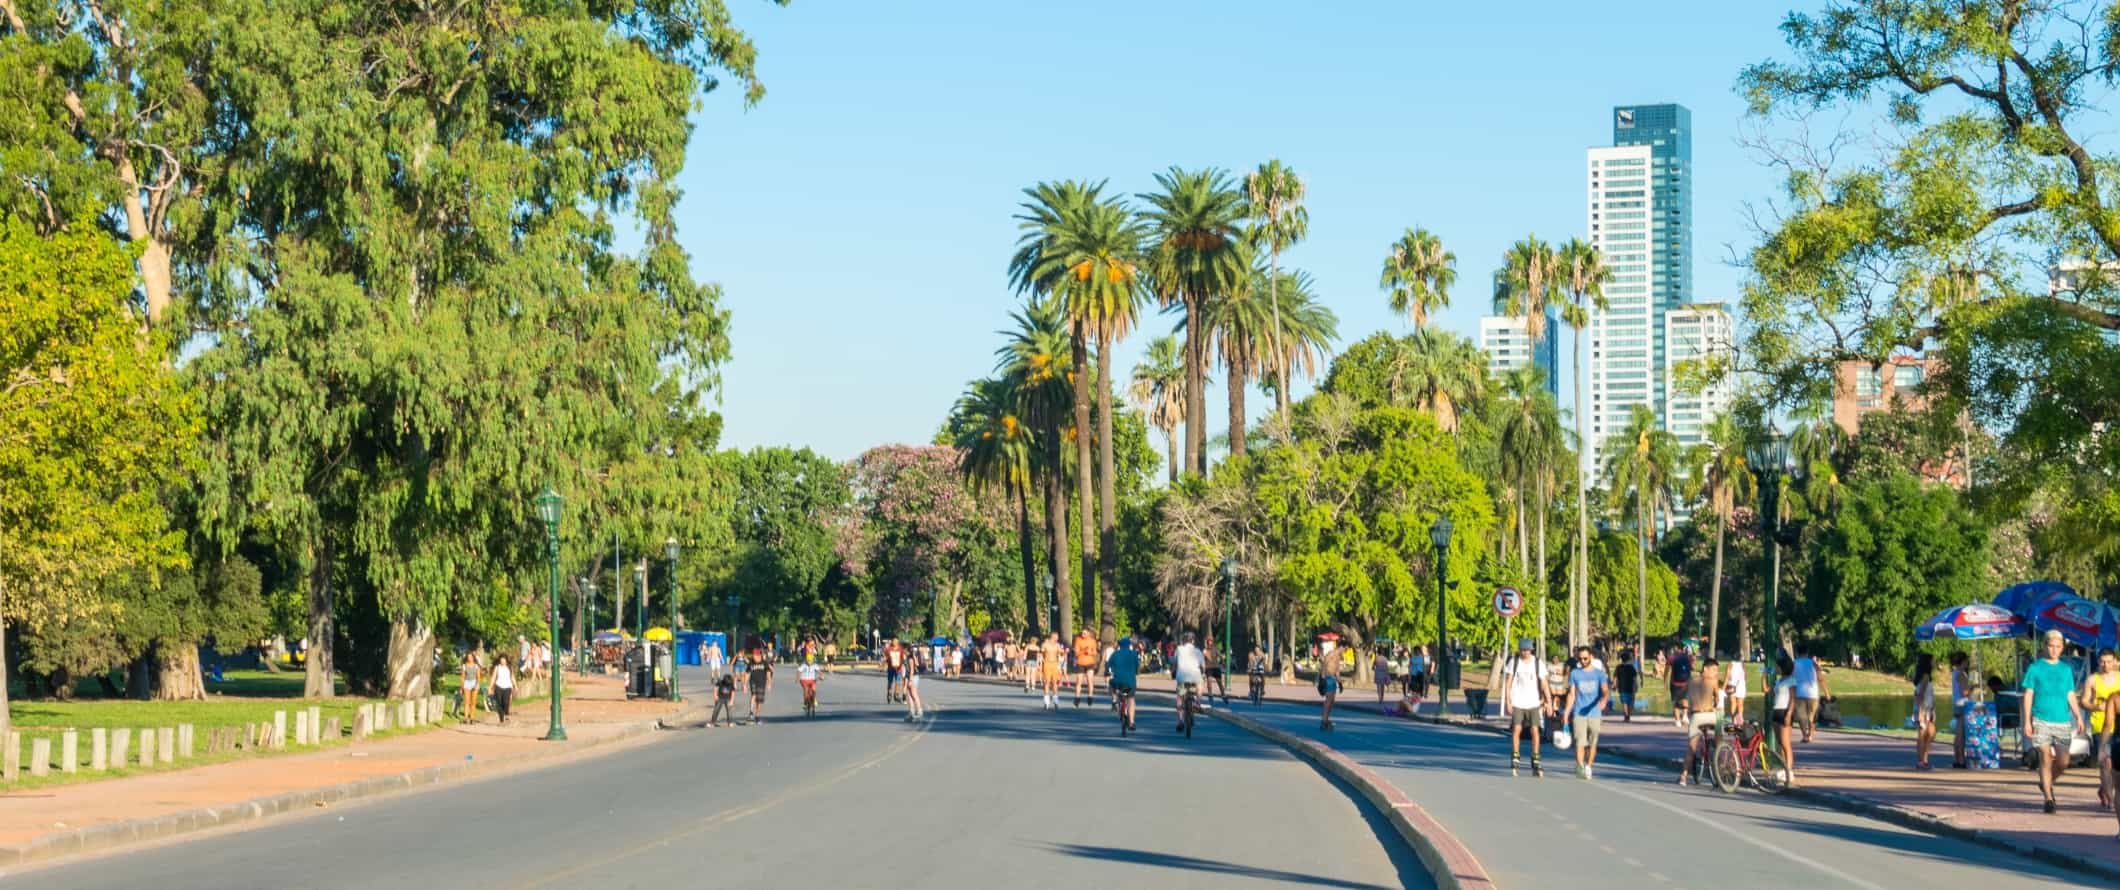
1588,691
2051,718
1122,670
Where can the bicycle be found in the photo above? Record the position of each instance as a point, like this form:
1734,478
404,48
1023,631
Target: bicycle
1125,701
1188,702
1743,755
809,699
1258,687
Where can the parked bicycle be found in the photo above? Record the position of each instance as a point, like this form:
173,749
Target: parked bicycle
1188,702
1745,755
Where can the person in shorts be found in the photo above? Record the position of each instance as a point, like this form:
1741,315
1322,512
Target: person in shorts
1329,677
1626,681
2051,718
1123,670
761,682
1052,658
1679,671
893,669
1810,690
1213,654
1781,712
724,700
1524,688
1698,714
806,674
1085,667
1588,690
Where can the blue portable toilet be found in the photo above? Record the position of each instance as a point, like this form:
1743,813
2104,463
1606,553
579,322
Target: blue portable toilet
689,642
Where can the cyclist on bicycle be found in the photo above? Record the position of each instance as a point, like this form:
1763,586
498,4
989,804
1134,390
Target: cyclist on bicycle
1124,668
1187,668
1697,715
806,674
1258,672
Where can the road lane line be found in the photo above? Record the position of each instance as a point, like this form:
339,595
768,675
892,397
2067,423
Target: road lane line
1771,848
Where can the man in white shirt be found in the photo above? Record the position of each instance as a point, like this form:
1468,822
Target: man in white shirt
1524,688
1734,690
1187,665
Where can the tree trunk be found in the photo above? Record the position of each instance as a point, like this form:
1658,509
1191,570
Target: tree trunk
1715,589
6,669
154,248
140,676
1236,409
1170,442
1027,554
1523,533
1085,469
1056,530
1195,390
1641,562
1581,593
178,675
1107,500
1273,296
409,663
318,676
1545,579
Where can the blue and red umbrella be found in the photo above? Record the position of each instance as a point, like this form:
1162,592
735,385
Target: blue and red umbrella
1978,621
2080,621
2026,598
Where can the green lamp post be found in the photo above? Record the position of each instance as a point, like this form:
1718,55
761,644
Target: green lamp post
1229,606
670,551
1439,535
581,658
548,509
734,602
1769,457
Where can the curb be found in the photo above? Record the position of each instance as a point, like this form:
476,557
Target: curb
1449,862
117,835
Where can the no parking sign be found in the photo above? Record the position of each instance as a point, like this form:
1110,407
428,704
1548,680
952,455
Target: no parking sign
1508,601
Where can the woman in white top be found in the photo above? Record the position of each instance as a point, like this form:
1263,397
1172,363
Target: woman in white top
503,687
1782,712
1924,709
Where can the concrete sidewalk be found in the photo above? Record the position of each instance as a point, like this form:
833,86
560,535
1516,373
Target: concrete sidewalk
81,817
1864,772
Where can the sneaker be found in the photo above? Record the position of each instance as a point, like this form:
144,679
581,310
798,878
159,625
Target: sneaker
1589,772
1581,772
2050,805
1537,771
1514,765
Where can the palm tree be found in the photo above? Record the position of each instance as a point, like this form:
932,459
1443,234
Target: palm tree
995,450
1643,473
1278,222
1444,373
1583,276
1158,392
1723,480
1036,364
1815,448
1308,330
1418,273
1530,444
1239,324
1197,253
1530,282
1085,250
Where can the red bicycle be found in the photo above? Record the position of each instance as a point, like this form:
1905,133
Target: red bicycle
1743,755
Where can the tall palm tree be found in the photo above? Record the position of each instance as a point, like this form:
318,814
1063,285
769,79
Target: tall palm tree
1530,283
1530,441
1583,277
1643,474
1308,330
1085,250
1444,373
1278,222
1722,479
1418,273
995,451
1158,392
1036,364
1197,253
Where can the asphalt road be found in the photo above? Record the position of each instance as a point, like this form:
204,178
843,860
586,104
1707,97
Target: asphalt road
989,791
1633,827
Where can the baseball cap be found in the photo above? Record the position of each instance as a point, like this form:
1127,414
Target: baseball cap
1524,645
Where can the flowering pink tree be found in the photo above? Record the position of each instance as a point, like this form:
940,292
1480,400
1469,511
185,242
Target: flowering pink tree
926,540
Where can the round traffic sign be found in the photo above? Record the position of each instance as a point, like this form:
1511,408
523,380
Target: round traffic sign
1508,601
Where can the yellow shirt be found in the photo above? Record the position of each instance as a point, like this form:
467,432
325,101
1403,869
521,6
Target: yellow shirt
2100,688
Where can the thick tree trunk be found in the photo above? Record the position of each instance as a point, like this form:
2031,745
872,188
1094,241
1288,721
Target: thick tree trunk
178,674
1107,502
317,679
1715,590
1195,390
409,663
1170,441
1028,556
140,677
6,668
1237,376
154,248
1085,470
1056,552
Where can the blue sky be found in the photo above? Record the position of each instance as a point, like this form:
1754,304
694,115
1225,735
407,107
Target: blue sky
860,217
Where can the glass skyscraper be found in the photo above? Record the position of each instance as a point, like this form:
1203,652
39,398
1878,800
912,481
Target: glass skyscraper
1641,219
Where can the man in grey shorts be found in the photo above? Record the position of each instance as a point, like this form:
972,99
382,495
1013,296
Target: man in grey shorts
2051,717
1524,689
1588,690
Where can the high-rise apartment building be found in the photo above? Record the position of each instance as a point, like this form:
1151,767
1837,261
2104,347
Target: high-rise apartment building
1641,219
1508,347
1697,339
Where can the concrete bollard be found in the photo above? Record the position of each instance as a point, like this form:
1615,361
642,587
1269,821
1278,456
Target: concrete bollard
40,757
316,724
405,714
185,740
279,729
166,744
11,759
98,749
360,723
331,729
301,727
120,747
69,750
419,710
147,747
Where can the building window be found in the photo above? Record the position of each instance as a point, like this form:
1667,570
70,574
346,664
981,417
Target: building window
1869,383
1906,377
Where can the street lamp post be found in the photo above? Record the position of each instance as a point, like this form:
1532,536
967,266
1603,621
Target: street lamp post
670,550
581,657
1052,606
1229,605
1770,458
548,509
1439,535
734,603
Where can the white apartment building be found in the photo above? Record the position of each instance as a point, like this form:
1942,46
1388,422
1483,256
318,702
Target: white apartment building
1695,333
1508,347
1625,369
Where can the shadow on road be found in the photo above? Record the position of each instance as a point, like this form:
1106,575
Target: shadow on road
1209,866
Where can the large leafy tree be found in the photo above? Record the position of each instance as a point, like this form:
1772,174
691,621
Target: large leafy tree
1278,221
1583,275
1197,252
931,541
1896,552
93,425
1434,370
789,505
1418,273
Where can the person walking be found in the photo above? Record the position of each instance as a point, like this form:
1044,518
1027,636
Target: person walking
761,682
1734,690
1697,713
913,707
1052,662
894,667
1526,695
1961,708
2099,689
710,657
2051,717
503,687
1679,670
1588,689
1328,676
1810,690
1781,713
468,687
1417,672
1626,681
724,700
1380,673
1924,709
1085,667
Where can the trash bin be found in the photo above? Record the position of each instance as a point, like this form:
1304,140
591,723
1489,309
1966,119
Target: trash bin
643,681
1449,669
